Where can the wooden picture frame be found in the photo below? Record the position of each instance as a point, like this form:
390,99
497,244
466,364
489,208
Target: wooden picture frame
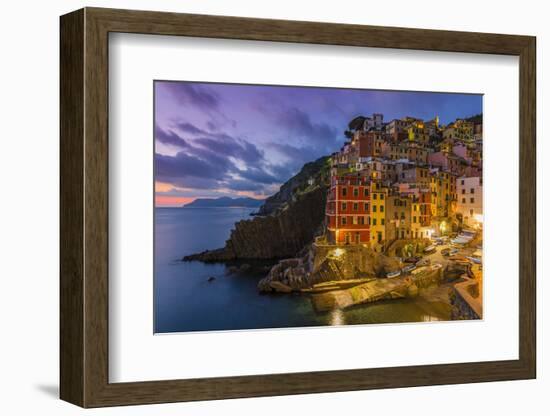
84,207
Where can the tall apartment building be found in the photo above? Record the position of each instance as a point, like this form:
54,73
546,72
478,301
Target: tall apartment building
348,209
469,202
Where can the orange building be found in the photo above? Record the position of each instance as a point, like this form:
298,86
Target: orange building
348,210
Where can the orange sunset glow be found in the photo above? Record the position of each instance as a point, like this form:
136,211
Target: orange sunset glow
171,201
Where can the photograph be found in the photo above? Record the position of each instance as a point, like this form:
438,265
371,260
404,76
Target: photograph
297,206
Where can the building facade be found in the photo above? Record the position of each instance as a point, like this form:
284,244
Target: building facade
469,205
348,210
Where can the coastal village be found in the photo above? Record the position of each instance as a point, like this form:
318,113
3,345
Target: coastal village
403,216
405,179
396,213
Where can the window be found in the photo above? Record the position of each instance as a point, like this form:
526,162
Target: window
343,220
361,220
355,192
463,191
471,200
368,220
374,208
355,222
344,191
374,221
381,208
382,221
462,182
463,200
344,206
374,196
414,219
366,191
355,206
471,212
472,190
381,196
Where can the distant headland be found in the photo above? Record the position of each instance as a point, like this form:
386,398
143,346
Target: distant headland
224,201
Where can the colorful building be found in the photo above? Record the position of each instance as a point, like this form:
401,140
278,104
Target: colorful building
399,180
347,210
378,194
443,188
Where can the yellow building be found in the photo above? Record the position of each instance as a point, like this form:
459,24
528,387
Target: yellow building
460,130
378,196
443,188
417,132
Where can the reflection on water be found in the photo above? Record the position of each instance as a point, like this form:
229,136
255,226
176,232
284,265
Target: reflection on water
337,317
185,299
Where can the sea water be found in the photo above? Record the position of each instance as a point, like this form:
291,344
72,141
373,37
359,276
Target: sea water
185,299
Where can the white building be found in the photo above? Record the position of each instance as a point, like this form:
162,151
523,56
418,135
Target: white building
469,195
375,122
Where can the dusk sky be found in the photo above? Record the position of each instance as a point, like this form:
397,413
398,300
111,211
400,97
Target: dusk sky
215,140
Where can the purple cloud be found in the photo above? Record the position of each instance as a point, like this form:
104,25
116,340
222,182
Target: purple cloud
169,137
196,95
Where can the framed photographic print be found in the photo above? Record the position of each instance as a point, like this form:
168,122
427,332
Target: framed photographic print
257,207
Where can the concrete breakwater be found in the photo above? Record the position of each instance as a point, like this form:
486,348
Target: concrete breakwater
376,290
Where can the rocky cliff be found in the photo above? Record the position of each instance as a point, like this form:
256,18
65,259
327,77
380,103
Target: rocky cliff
286,223
317,171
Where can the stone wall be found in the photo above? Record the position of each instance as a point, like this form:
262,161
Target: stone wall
464,304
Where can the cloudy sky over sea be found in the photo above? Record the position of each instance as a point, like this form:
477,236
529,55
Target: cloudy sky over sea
233,140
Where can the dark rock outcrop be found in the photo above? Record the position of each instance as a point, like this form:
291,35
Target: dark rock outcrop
280,235
328,264
317,171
